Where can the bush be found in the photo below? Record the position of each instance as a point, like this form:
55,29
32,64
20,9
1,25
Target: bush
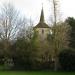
67,60
23,54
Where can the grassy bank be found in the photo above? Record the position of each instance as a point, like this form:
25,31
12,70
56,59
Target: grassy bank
34,73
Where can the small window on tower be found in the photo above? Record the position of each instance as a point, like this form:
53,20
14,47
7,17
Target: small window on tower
42,31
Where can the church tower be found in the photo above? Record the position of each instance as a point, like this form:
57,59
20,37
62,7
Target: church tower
42,28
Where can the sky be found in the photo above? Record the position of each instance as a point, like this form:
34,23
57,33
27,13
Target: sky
32,8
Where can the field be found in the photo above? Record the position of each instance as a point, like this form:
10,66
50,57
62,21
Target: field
35,73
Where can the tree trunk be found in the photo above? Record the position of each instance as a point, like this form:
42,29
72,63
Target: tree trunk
56,64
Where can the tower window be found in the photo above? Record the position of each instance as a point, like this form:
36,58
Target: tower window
42,31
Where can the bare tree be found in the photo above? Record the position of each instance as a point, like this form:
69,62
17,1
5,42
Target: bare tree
27,31
10,24
54,4
60,34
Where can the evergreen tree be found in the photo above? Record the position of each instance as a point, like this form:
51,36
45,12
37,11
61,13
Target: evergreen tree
71,22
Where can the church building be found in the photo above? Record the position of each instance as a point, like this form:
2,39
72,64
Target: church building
42,28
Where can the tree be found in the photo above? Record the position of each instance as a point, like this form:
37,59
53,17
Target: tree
26,30
59,40
24,53
54,3
10,24
59,37
21,53
23,50
62,35
71,22
66,59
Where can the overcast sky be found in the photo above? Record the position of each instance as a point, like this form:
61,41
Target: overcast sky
32,8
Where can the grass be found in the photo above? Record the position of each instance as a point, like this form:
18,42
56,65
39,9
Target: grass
35,73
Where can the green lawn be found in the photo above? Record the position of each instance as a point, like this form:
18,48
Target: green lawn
35,73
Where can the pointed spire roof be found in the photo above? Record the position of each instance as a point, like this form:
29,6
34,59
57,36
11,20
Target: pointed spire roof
42,23
42,16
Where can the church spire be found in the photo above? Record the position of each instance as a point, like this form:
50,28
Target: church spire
42,16
42,23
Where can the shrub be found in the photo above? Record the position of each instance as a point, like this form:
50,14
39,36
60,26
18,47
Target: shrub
67,60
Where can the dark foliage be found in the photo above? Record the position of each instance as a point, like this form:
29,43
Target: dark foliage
67,60
23,54
71,22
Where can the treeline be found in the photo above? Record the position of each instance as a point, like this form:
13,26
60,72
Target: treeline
21,50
